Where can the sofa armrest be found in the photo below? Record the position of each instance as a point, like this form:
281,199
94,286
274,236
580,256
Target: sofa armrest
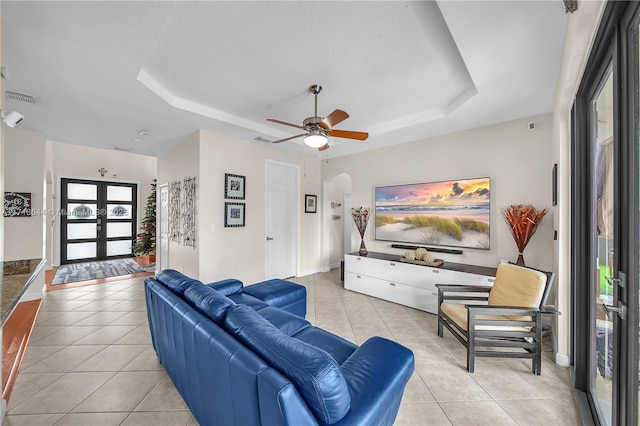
376,373
227,287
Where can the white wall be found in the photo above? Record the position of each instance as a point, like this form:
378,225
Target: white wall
2,157
24,165
83,162
24,172
517,160
581,30
333,191
180,162
239,252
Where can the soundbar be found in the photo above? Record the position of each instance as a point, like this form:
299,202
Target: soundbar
434,249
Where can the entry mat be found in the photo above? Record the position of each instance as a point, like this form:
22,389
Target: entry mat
94,270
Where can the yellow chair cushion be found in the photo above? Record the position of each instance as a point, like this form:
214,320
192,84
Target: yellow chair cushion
517,286
458,314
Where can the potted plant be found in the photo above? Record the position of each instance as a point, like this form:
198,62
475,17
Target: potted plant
523,220
145,247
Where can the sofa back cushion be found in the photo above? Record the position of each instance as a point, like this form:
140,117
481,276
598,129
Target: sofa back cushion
175,281
208,301
316,375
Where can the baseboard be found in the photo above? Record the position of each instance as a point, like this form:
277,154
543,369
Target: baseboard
33,296
3,410
562,360
334,265
584,409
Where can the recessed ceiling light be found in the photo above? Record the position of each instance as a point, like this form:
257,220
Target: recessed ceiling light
137,139
143,132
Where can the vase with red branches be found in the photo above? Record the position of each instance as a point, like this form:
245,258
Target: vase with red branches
361,218
523,220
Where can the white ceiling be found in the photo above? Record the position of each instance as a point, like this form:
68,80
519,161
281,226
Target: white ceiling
404,70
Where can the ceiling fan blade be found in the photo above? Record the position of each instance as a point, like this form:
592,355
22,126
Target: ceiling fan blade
337,116
273,120
348,134
323,147
288,139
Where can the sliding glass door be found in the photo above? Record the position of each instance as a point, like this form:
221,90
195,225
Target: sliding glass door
603,260
606,211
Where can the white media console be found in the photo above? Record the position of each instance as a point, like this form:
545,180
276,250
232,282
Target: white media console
384,276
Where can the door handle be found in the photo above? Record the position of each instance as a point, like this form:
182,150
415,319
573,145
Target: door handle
618,281
621,310
269,238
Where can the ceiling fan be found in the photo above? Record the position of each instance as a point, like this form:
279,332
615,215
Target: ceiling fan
318,129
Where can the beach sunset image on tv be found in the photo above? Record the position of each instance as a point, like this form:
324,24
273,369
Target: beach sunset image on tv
450,213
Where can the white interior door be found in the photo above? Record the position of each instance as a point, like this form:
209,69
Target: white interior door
281,219
164,226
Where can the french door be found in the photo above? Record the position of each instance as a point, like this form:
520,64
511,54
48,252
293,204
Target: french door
98,220
606,212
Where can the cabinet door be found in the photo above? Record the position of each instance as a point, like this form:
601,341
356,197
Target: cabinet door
379,268
443,276
357,264
415,297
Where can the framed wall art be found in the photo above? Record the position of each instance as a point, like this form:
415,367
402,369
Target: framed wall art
234,186
310,203
234,215
17,204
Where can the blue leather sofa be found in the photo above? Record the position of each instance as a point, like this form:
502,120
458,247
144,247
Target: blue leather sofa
246,356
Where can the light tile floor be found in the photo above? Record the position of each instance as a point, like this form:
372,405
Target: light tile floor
90,362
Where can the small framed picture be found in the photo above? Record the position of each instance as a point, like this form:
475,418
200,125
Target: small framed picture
234,215
310,203
234,186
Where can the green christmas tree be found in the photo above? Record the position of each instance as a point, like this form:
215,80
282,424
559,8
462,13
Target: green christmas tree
146,239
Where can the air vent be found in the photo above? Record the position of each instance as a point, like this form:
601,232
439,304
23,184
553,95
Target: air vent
121,148
261,139
21,97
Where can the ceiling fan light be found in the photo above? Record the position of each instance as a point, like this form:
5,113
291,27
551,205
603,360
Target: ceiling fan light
315,140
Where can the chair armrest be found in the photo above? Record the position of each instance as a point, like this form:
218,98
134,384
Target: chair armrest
459,288
502,310
550,310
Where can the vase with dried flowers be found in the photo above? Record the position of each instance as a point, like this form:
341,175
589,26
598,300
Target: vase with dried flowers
361,218
523,220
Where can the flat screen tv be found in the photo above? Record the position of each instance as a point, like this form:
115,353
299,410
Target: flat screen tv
453,213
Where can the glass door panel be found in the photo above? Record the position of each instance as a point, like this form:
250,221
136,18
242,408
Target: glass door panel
119,211
119,193
81,231
115,229
82,191
602,360
77,251
119,248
